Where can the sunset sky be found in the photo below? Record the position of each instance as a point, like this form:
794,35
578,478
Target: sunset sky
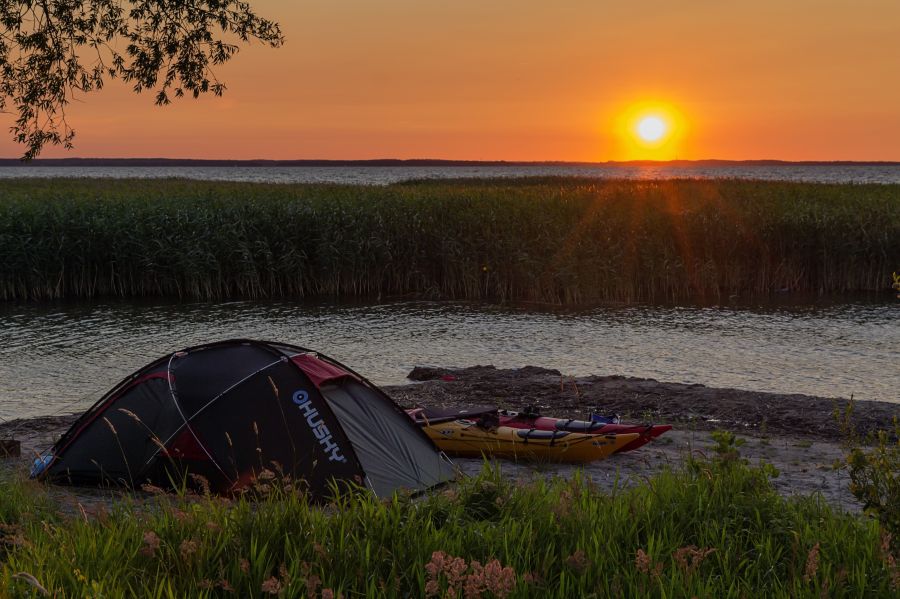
533,80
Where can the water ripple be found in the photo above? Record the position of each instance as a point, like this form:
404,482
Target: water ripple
57,358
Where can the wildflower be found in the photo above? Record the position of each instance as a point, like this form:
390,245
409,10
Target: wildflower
436,565
689,558
312,584
578,561
285,575
433,569
645,565
271,586
152,489
471,579
532,578
225,586
812,564
201,481
179,515
188,548
151,544
213,527
642,561
265,474
499,580
320,550
455,572
206,584
327,594
563,507
474,583
244,566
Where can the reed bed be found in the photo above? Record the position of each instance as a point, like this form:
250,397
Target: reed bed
557,240
711,529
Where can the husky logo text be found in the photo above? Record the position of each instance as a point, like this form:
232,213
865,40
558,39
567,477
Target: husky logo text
318,426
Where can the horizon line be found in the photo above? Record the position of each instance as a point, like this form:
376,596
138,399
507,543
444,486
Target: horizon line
159,161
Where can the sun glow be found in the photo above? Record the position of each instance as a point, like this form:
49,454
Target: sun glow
649,130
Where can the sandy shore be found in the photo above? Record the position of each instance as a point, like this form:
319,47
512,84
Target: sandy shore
795,433
798,434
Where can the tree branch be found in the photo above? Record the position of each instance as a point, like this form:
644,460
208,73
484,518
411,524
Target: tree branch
43,43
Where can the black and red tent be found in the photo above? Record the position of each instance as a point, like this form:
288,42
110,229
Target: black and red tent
230,410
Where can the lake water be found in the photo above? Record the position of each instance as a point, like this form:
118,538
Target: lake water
383,175
61,358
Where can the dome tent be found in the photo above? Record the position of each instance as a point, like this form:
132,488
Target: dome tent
228,410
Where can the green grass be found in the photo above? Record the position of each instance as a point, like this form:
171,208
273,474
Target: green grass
713,529
551,240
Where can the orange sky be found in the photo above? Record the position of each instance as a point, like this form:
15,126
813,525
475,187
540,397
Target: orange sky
532,80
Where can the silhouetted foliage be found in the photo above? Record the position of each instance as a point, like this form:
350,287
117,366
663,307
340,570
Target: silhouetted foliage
51,50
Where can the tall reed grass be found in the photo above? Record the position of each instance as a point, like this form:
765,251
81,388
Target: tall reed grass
552,240
713,529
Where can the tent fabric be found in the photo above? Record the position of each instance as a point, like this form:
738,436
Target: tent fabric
319,371
111,447
391,454
228,411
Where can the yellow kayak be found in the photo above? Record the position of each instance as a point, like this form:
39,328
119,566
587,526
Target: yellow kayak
464,438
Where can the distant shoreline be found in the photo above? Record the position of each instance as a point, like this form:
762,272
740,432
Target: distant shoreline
425,162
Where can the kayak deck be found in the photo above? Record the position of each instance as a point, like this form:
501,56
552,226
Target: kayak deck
646,432
464,438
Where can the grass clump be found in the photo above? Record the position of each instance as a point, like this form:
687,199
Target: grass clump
873,463
875,478
715,528
561,240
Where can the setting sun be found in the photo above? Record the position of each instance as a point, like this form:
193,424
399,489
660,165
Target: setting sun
651,128
648,130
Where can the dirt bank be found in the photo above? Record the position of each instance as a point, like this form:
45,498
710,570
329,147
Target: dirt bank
798,434
795,433
635,399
